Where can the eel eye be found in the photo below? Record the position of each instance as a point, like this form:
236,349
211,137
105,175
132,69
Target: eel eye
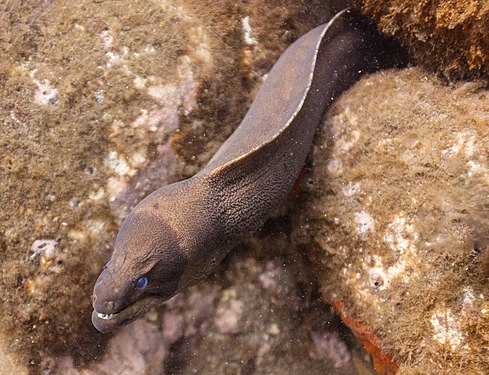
142,283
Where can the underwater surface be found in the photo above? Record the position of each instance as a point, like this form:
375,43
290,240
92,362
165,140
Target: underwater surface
377,262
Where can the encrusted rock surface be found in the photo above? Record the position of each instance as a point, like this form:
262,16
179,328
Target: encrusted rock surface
445,36
101,103
398,213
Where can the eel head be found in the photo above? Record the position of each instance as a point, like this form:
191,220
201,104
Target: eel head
145,270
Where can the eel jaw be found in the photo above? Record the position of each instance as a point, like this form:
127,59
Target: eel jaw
106,316
112,321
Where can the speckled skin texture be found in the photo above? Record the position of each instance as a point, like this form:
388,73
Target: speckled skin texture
177,235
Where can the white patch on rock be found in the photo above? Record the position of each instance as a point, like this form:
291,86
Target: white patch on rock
400,237
140,83
330,345
267,280
77,235
202,50
97,195
335,167
95,227
74,203
463,143
99,96
345,145
172,97
137,159
248,37
149,49
446,329
469,147
50,256
115,187
46,247
365,223
46,93
468,299
181,94
379,277
107,39
352,189
344,142
174,326
475,168
273,329
118,164
229,313
397,234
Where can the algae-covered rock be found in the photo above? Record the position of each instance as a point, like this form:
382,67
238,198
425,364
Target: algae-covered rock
398,214
449,37
101,103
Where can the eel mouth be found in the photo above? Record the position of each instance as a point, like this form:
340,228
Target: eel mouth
106,316
109,322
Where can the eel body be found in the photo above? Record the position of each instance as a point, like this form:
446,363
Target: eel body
177,235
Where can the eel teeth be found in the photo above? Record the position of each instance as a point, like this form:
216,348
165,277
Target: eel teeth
106,316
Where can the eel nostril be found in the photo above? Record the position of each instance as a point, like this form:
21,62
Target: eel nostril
93,298
110,305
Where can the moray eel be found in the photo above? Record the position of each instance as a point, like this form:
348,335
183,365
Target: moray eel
177,235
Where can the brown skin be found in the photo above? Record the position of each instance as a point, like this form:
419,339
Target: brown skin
177,235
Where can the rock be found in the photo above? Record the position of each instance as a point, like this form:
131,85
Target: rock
444,36
101,103
397,214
